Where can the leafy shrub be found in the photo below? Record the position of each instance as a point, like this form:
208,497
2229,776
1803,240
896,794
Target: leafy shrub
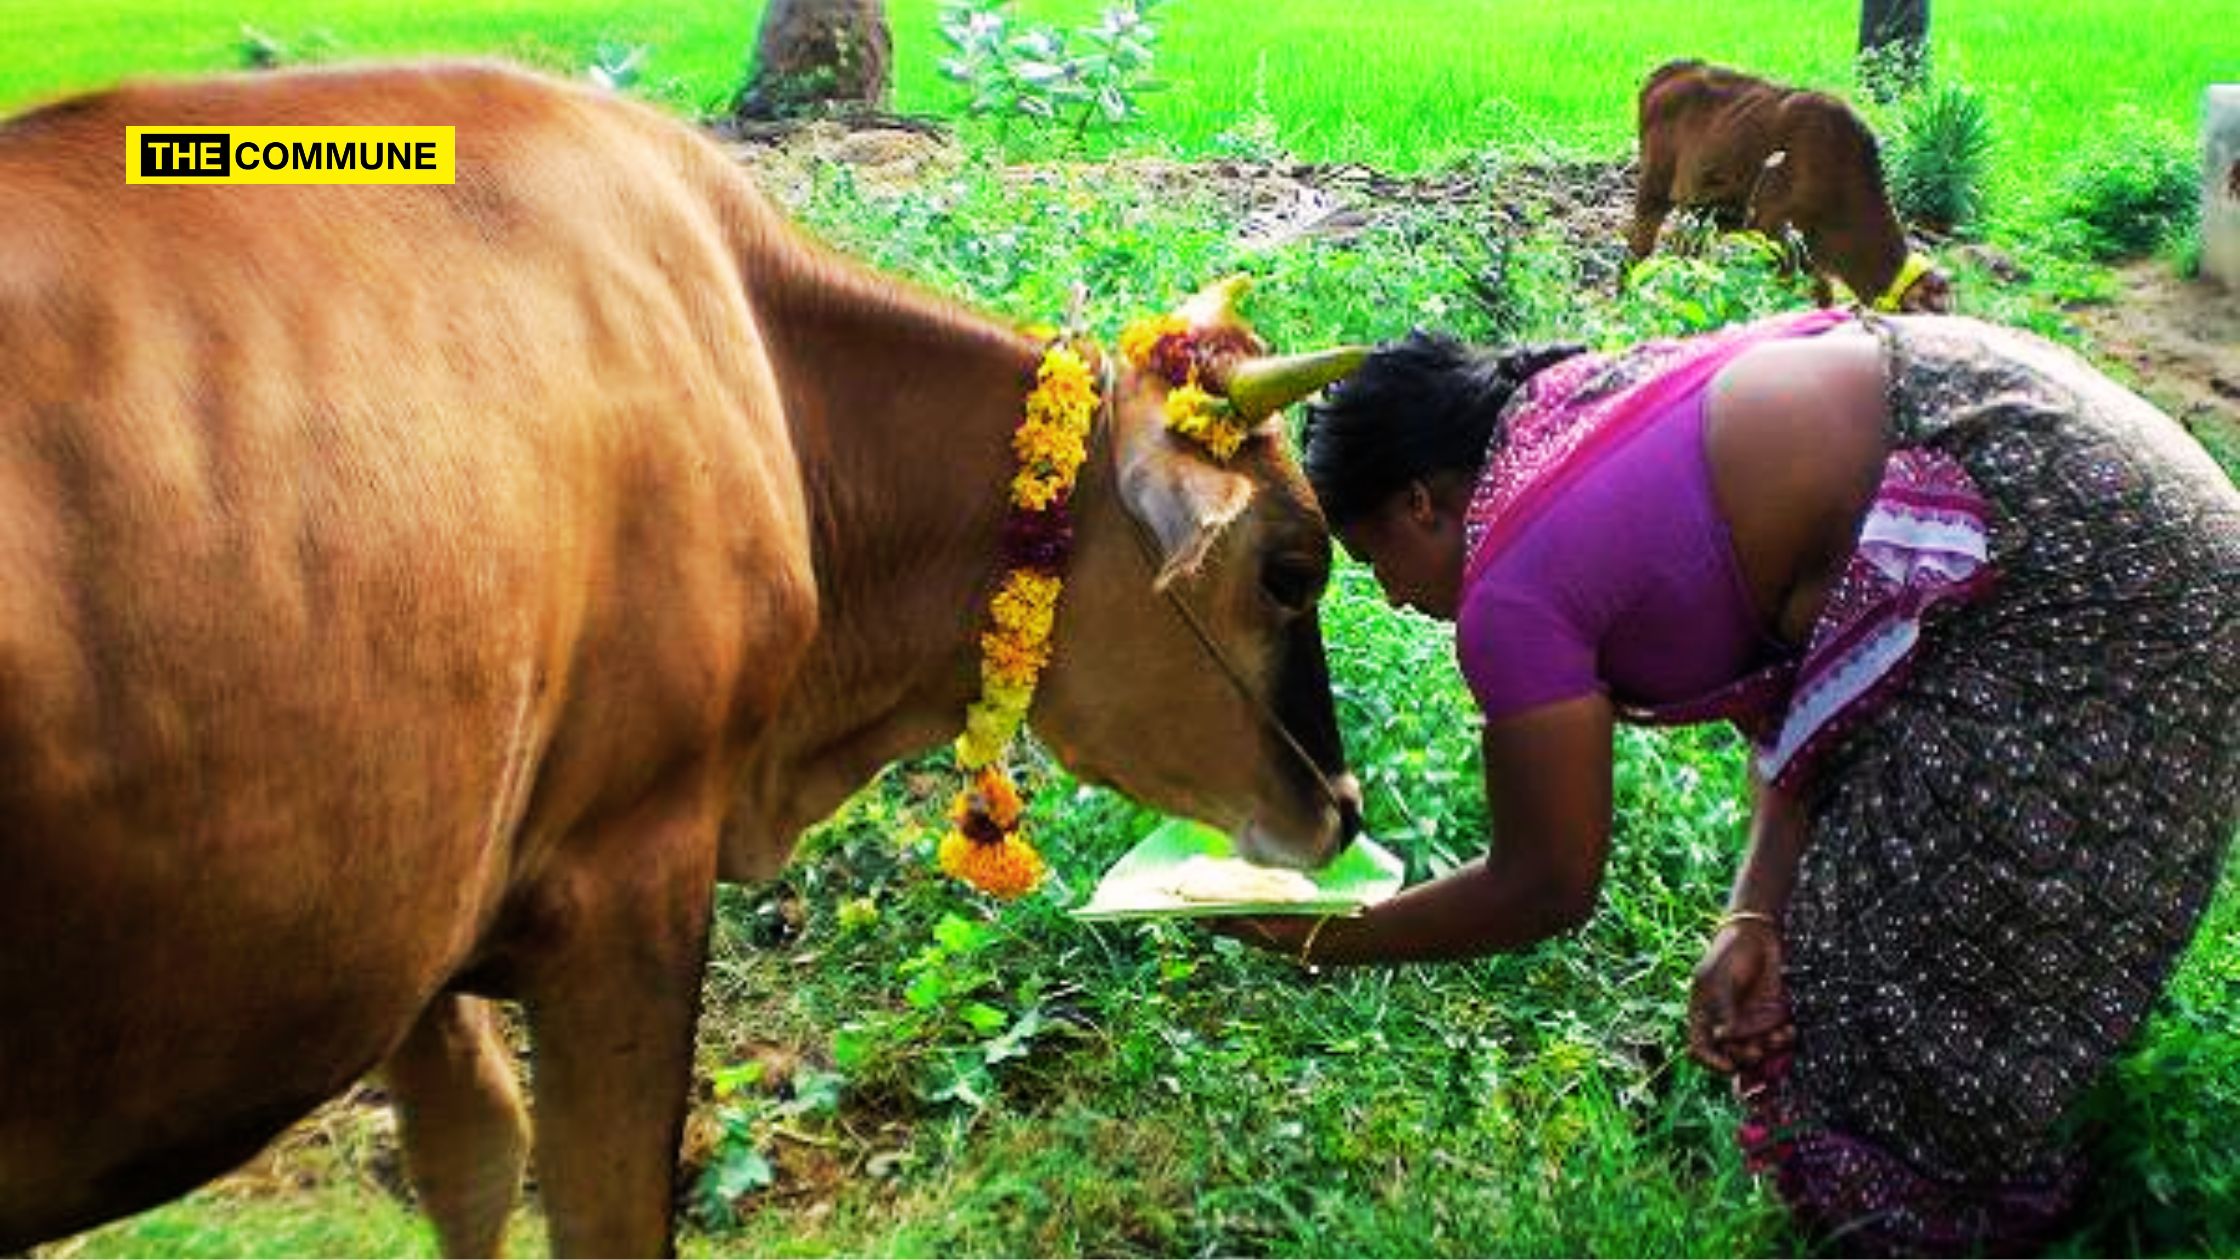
1091,76
1892,72
2124,194
2183,251
1738,276
617,66
1256,135
257,49
1941,155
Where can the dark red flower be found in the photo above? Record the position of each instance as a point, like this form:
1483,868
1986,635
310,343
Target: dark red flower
979,828
1038,540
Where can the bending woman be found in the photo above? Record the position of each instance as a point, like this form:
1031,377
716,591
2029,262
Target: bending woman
1979,610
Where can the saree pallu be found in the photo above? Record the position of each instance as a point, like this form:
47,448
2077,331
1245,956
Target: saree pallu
2008,853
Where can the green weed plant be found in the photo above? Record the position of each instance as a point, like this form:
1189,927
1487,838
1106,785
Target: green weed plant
2129,190
1938,164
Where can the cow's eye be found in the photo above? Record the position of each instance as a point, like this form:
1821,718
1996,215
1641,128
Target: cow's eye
1292,581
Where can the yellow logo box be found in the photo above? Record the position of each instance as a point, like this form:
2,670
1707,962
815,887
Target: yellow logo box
290,155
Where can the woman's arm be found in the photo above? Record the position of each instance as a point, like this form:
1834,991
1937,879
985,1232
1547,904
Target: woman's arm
1769,869
1548,789
1738,1013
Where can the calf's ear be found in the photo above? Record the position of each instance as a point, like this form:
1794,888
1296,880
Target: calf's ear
1182,498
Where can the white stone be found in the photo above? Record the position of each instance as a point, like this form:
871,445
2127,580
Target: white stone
2220,185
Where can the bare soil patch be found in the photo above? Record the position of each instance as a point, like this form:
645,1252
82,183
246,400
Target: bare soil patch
2182,339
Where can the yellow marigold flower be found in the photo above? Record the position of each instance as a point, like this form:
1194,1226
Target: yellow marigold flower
1067,398
991,795
1223,439
1005,870
1049,451
1027,605
1051,442
1202,418
1063,368
1054,448
1138,338
1012,662
1034,489
1014,698
1188,404
973,751
999,795
988,729
999,719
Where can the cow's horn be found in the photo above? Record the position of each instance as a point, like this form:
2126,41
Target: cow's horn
1215,306
1265,386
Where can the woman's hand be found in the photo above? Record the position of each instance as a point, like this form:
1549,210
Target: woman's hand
1738,1013
1276,933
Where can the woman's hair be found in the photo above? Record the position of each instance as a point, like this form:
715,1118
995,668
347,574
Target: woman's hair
1421,406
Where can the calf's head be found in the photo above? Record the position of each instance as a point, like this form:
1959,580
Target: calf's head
1188,666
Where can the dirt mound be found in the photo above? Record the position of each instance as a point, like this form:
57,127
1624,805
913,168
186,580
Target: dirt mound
1282,201
886,155
1274,201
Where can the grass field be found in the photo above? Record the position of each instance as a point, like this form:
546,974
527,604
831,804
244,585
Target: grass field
1397,81
892,1067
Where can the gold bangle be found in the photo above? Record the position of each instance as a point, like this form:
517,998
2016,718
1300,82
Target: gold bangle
1733,918
1306,947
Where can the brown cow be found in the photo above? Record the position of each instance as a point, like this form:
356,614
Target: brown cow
1767,158
410,594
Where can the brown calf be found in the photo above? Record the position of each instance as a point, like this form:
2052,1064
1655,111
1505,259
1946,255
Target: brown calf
414,595
1768,159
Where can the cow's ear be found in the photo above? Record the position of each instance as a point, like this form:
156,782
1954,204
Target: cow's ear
1182,497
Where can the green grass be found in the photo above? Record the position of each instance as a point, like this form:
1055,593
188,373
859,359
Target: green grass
1398,82
1016,1083
344,1220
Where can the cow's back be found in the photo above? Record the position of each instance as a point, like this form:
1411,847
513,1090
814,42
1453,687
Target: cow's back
1713,130
1709,130
354,543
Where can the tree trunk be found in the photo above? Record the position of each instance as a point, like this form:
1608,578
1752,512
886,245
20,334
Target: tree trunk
818,54
1893,45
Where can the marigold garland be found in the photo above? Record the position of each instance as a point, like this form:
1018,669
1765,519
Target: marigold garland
986,846
1209,421
1165,346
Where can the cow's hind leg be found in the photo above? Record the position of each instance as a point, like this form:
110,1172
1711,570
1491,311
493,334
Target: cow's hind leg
465,1137
612,992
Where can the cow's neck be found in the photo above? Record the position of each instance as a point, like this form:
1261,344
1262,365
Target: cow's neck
1865,251
902,407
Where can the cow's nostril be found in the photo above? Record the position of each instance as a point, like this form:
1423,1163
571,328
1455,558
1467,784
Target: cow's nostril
1348,792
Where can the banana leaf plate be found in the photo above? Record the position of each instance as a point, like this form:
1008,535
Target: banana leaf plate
1363,874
